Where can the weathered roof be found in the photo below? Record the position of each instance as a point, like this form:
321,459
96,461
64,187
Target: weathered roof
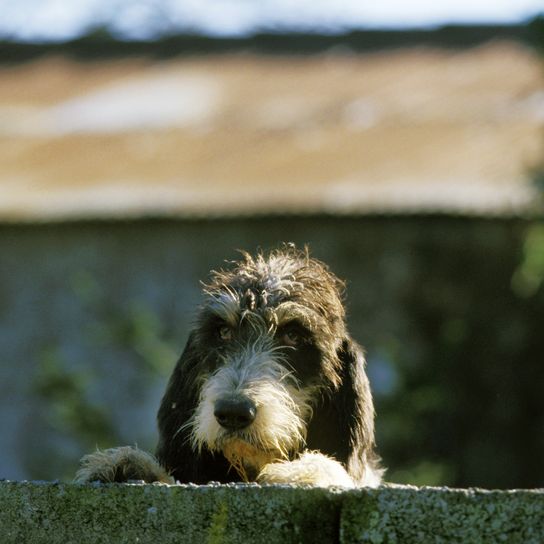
416,130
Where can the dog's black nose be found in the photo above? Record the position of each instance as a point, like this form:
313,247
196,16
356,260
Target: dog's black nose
235,413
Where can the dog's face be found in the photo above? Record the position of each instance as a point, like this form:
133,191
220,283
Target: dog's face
267,339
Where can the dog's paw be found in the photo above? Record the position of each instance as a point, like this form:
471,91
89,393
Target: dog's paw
121,465
311,468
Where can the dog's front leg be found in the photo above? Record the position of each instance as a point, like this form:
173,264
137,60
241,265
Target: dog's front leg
121,465
311,468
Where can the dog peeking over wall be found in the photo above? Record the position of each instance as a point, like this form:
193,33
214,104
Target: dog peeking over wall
270,387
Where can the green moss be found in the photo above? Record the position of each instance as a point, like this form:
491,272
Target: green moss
218,525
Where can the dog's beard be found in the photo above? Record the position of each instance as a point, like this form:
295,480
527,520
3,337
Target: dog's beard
283,408
247,459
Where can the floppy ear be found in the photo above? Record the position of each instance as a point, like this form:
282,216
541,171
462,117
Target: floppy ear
174,450
342,426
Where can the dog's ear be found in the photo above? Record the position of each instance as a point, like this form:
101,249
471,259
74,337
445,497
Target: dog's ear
176,409
174,450
342,425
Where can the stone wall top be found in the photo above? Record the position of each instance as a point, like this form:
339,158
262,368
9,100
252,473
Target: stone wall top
42,512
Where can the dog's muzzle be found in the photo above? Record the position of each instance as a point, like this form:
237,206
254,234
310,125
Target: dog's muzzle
235,413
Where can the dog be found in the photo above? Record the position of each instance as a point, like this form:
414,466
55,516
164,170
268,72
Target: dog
269,388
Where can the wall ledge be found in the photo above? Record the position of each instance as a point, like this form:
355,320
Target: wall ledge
50,512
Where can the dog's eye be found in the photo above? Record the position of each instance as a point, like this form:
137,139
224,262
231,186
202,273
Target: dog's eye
291,338
225,333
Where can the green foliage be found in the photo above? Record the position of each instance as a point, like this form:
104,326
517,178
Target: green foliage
70,411
134,328
68,388
426,472
529,276
537,174
536,32
467,409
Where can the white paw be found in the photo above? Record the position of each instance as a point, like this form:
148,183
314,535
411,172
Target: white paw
311,468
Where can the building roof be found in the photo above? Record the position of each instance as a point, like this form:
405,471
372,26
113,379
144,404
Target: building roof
404,131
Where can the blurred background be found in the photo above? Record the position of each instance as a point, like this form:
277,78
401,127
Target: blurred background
143,143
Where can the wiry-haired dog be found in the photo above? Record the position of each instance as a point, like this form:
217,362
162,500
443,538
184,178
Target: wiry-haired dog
270,387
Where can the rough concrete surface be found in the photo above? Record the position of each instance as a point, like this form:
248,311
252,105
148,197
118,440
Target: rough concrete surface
402,514
67,513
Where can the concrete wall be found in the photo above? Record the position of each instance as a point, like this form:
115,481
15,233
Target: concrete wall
68,513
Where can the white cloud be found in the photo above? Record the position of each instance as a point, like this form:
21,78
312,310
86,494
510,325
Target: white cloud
60,19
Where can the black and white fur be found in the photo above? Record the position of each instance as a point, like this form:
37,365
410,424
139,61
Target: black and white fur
270,387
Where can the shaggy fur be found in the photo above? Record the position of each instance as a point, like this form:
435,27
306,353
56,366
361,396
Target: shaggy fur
270,387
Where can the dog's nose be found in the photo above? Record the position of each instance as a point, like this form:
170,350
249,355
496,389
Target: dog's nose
235,413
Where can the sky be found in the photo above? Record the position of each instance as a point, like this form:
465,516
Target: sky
44,20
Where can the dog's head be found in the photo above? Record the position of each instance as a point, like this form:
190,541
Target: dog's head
264,351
